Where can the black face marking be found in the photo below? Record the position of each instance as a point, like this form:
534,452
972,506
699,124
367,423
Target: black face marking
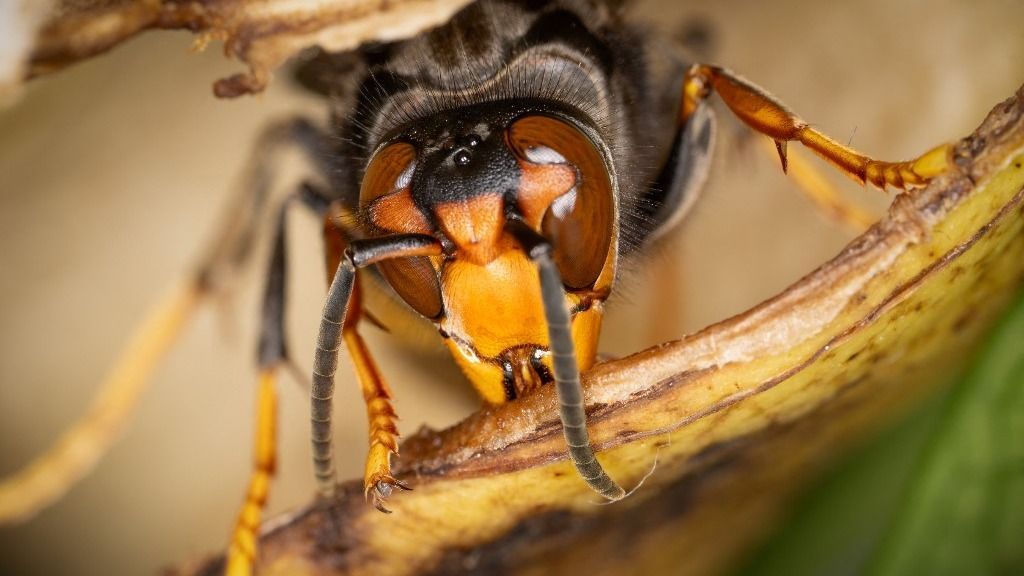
463,153
449,170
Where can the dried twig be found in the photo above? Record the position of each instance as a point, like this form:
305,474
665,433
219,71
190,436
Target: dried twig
261,33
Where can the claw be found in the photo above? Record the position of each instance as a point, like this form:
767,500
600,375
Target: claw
378,503
377,491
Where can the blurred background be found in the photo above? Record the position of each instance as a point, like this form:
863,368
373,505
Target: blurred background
113,174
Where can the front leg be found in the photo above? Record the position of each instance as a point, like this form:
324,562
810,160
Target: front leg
377,481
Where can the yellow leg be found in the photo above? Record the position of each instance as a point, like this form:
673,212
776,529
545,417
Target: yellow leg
242,551
770,117
377,481
50,475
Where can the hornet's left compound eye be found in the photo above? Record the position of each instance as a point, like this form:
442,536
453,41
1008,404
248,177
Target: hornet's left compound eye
565,192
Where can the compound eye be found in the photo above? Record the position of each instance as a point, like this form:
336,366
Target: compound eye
565,192
386,201
389,171
386,194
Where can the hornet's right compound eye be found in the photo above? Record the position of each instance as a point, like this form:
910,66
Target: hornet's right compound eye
386,194
390,171
387,204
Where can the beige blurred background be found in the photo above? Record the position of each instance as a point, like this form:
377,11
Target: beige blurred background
113,173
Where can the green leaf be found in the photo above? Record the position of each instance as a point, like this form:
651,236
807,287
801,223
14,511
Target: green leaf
941,493
964,510
838,523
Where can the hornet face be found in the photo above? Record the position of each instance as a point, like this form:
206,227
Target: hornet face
466,177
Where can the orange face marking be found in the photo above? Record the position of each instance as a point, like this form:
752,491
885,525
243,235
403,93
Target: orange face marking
386,195
396,212
586,329
474,225
539,186
495,307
